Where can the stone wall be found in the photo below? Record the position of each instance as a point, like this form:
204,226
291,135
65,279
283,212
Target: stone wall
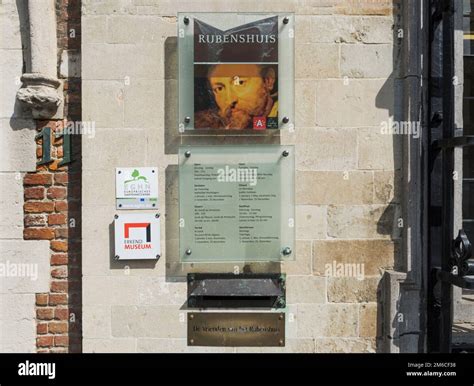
347,172
24,265
53,207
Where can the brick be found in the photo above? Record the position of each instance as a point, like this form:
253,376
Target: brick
59,246
38,234
59,259
35,193
59,273
56,193
374,255
38,179
59,286
60,178
34,220
58,327
61,341
364,221
61,314
42,328
368,320
61,233
44,313
60,206
57,219
41,299
331,187
58,350
352,290
327,320
44,341
38,207
56,299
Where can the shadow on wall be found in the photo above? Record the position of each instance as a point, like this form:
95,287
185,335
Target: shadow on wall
392,222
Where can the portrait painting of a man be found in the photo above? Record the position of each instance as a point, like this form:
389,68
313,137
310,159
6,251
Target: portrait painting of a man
236,96
236,75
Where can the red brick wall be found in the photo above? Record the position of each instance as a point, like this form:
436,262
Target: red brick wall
52,209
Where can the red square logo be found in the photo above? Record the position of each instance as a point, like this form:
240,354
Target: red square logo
259,123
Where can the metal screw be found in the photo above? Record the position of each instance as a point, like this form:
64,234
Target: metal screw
186,20
191,316
117,257
281,317
286,20
157,215
191,341
120,205
119,172
285,120
188,251
153,170
158,256
281,303
281,342
187,119
287,251
153,205
116,216
187,154
285,153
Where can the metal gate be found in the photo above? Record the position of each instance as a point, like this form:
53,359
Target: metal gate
449,261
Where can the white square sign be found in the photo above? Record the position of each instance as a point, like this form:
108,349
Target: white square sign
136,188
137,236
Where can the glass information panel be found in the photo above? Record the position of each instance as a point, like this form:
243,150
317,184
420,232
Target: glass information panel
236,71
236,203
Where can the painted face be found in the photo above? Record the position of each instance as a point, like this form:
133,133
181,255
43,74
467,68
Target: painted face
240,92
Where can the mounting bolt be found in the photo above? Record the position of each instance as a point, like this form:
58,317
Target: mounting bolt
119,172
158,256
152,170
287,251
285,153
120,205
281,342
188,251
157,215
285,120
281,302
116,257
286,20
153,205
186,20
191,316
191,341
116,216
187,154
187,119
280,317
